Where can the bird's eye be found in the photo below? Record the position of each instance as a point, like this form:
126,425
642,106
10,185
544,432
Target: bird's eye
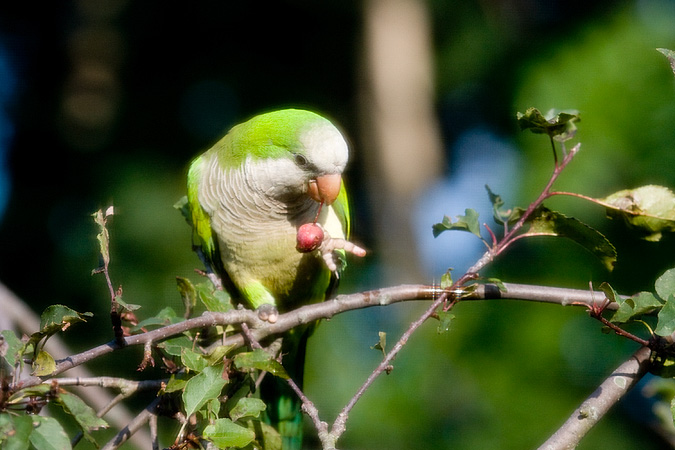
300,160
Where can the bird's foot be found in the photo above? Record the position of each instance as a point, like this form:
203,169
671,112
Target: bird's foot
328,247
268,313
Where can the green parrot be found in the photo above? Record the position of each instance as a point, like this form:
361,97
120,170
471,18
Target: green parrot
247,197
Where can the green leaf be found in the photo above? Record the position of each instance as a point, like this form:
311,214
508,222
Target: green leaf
649,209
671,59
552,223
271,436
666,318
501,215
188,293
247,407
57,317
446,279
103,237
225,433
48,434
164,317
193,360
444,320
15,431
10,347
381,343
175,346
39,390
218,352
84,415
214,300
261,360
175,383
43,364
202,388
558,125
635,306
467,222
665,284
126,306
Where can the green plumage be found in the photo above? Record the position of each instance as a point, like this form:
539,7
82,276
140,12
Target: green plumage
247,196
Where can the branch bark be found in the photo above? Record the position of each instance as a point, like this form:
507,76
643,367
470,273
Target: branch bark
589,413
326,310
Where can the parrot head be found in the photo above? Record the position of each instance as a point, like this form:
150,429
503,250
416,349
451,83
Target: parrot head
290,154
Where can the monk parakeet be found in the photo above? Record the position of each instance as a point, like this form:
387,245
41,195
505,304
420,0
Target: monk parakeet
248,196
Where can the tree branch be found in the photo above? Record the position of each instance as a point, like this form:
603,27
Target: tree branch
133,426
589,413
325,310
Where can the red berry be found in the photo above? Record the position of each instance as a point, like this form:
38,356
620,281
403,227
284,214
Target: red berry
310,237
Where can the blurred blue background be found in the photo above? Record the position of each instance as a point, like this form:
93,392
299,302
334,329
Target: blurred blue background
107,102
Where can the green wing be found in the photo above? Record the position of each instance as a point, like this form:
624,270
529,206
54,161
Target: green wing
203,238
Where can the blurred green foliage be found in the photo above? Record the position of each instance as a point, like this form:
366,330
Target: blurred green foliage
507,374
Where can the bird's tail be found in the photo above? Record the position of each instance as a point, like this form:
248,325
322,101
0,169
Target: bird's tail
283,405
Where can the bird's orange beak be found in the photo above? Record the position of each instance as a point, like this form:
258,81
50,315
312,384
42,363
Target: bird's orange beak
325,189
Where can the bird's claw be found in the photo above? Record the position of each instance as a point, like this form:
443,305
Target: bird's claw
268,313
329,245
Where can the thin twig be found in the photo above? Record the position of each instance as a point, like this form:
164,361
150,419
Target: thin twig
339,425
511,235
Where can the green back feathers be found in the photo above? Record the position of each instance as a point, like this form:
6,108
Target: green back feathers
269,135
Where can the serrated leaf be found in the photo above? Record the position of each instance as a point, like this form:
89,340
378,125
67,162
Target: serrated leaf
501,215
43,364
665,284
225,433
48,434
649,209
214,300
671,59
202,388
666,318
15,431
193,360
247,407
57,317
635,306
552,223
261,360
175,346
558,125
84,415
467,222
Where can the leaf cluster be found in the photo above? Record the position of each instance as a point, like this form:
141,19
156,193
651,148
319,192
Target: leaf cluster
20,426
215,383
